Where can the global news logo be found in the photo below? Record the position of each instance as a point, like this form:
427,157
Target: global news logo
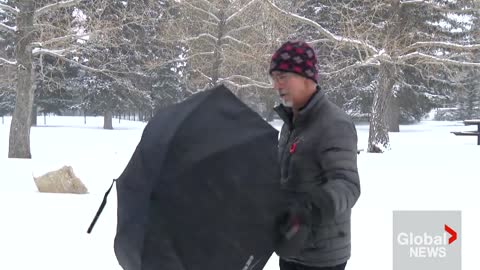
426,245
427,240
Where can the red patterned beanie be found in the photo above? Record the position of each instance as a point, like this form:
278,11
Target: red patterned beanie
296,57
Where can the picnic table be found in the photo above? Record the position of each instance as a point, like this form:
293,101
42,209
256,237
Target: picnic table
470,122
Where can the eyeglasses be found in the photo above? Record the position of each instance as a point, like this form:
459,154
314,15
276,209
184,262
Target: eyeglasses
280,78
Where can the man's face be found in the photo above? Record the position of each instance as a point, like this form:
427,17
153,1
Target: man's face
292,88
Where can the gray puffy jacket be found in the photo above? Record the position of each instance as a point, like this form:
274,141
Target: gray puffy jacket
318,157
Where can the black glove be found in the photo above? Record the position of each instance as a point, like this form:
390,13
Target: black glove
293,227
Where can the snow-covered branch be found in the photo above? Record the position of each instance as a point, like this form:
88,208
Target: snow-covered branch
412,2
238,12
8,8
237,41
210,6
322,40
245,85
57,54
3,60
60,39
61,4
437,60
209,79
200,36
322,30
7,28
210,14
209,23
435,6
372,61
251,81
38,51
242,28
369,63
187,58
447,45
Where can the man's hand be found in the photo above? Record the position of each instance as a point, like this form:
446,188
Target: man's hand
293,227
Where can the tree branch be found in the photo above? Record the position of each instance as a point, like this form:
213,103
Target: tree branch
209,79
7,28
436,7
210,23
215,9
239,11
202,10
369,63
200,36
38,51
3,60
8,8
437,60
61,4
441,44
237,41
60,56
180,59
246,85
412,2
105,72
242,28
322,40
60,39
322,30
250,80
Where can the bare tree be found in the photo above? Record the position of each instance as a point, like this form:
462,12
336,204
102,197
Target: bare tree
384,40
30,24
226,42
68,30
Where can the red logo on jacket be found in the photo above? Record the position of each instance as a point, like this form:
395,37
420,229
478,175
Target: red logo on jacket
293,147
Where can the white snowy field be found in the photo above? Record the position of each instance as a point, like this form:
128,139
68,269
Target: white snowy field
428,168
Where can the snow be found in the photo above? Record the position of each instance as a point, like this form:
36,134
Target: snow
322,30
47,51
238,12
3,60
10,28
428,168
79,29
79,15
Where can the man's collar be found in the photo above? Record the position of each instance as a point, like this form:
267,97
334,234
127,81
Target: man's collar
286,113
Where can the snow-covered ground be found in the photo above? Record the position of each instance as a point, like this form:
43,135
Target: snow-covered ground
428,168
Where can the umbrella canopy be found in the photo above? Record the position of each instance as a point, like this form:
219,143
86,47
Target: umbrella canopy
201,191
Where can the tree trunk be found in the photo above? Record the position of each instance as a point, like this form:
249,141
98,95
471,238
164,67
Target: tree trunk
471,100
218,55
378,140
34,116
270,112
107,120
19,142
393,115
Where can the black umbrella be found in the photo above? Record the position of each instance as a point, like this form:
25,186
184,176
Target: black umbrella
201,191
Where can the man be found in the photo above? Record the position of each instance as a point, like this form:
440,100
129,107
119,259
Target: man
318,158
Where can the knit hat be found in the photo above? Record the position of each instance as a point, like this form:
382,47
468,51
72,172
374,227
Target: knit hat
296,57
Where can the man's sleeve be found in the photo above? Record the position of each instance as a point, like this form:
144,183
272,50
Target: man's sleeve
338,188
